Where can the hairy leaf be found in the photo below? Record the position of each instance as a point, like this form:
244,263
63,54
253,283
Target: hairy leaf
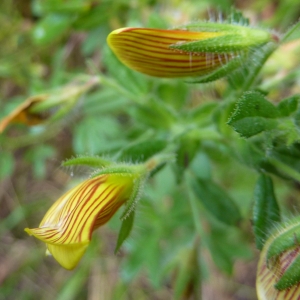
216,201
253,114
125,230
266,210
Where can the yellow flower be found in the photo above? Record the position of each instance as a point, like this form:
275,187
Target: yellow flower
148,51
194,50
68,225
278,271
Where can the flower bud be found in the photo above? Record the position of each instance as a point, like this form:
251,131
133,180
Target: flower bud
278,272
194,50
68,225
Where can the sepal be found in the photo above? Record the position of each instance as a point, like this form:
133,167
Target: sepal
229,38
278,273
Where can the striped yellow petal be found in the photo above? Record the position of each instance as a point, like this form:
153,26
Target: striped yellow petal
148,51
268,276
68,225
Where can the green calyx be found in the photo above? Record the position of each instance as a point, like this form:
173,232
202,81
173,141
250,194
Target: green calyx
139,172
232,38
285,246
286,239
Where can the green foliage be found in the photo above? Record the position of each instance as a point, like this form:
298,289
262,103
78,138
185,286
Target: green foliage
220,138
224,250
287,106
216,201
141,150
94,161
125,230
232,38
253,115
266,211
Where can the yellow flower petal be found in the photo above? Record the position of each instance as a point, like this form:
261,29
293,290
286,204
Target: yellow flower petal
67,255
68,225
148,51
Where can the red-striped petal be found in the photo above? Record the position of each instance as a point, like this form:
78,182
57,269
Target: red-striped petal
268,276
148,51
68,225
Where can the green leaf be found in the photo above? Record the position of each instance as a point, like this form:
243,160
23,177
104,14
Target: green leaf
237,17
91,161
266,212
188,146
226,245
289,105
288,132
216,201
175,93
222,260
103,101
125,230
155,114
202,159
290,155
142,150
253,155
51,28
203,113
95,135
94,17
253,114
94,40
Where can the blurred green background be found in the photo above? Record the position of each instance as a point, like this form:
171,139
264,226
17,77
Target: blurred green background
45,45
